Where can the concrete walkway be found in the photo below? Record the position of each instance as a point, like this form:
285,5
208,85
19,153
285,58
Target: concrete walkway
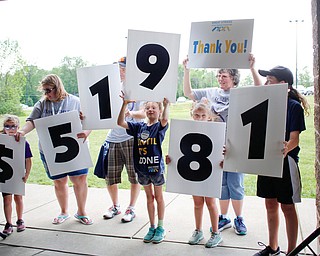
111,237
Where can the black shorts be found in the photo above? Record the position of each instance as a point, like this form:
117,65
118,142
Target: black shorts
287,189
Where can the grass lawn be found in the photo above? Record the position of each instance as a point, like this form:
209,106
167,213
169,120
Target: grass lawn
181,111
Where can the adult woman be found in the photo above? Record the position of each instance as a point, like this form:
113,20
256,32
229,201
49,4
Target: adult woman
56,100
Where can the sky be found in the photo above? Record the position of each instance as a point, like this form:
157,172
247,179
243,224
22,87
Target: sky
96,30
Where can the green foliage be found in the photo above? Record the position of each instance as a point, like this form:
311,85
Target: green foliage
305,78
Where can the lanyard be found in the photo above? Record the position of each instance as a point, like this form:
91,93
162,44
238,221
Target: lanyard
59,110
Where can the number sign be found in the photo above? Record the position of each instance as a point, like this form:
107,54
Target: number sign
256,129
63,151
99,90
12,164
195,150
152,66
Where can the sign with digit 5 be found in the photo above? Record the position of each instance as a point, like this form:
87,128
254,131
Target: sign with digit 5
152,66
63,151
195,151
256,130
12,165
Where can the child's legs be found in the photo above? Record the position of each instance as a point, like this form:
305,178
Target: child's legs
198,210
18,199
213,211
160,202
236,189
150,203
7,207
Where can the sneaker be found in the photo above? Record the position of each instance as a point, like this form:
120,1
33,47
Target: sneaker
159,235
214,240
8,229
20,225
224,223
239,226
196,237
129,215
112,211
149,236
268,251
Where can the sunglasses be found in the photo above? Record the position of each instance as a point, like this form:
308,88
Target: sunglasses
10,127
48,90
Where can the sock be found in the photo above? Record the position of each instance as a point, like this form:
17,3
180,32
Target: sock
160,223
153,226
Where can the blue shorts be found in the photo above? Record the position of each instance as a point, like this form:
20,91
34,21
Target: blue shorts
60,176
232,186
156,180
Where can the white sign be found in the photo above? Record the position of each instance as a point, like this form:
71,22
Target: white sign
195,149
152,66
256,130
220,44
63,151
12,165
99,90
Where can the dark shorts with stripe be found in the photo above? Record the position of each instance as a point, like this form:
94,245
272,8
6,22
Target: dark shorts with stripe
287,190
120,155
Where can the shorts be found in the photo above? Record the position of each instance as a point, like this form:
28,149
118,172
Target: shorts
156,180
120,155
60,176
5,194
287,190
232,186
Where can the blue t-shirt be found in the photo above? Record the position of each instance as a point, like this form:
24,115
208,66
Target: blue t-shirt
295,122
147,152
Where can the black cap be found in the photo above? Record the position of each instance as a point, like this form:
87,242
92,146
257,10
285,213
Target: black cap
279,72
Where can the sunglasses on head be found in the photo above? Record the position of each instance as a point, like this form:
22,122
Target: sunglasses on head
10,127
48,90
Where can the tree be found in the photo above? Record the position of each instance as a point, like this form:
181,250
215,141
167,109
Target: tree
305,78
248,80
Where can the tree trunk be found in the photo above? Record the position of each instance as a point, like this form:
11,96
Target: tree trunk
315,8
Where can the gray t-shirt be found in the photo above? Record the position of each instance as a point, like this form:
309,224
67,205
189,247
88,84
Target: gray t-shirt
219,100
118,135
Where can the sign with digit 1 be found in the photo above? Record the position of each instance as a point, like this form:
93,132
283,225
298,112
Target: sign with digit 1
152,66
99,90
256,130
195,150
12,165
63,151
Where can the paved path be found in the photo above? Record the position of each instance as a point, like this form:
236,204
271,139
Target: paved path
111,237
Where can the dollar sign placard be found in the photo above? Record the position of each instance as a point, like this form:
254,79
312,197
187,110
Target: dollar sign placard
6,171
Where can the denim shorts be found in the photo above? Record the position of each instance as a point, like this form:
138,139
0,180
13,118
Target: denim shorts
60,176
232,186
156,180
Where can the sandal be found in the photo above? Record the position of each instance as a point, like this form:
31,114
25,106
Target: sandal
60,219
85,220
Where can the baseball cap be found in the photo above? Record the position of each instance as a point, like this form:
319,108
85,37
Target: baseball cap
280,72
122,61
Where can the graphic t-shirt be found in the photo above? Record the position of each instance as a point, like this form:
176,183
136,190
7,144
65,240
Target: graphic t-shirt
147,152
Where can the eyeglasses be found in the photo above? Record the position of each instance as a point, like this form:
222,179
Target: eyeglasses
48,90
222,76
10,127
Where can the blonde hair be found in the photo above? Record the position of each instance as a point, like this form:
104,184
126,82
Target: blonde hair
8,118
204,104
54,81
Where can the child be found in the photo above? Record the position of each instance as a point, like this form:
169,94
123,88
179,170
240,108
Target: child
10,127
201,112
148,161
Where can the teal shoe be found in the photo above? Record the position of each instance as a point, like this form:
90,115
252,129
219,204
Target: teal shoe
214,240
149,236
159,235
196,237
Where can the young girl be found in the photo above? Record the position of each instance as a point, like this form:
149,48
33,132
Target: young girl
148,161
10,127
201,112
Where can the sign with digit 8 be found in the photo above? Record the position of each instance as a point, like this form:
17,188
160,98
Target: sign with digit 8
195,151
152,66
63,151
256,130
12,165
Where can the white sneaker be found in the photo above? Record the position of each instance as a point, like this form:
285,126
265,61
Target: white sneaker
129,215
112,211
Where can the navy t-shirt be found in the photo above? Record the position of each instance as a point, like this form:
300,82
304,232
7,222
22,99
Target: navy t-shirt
147,152
295,122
